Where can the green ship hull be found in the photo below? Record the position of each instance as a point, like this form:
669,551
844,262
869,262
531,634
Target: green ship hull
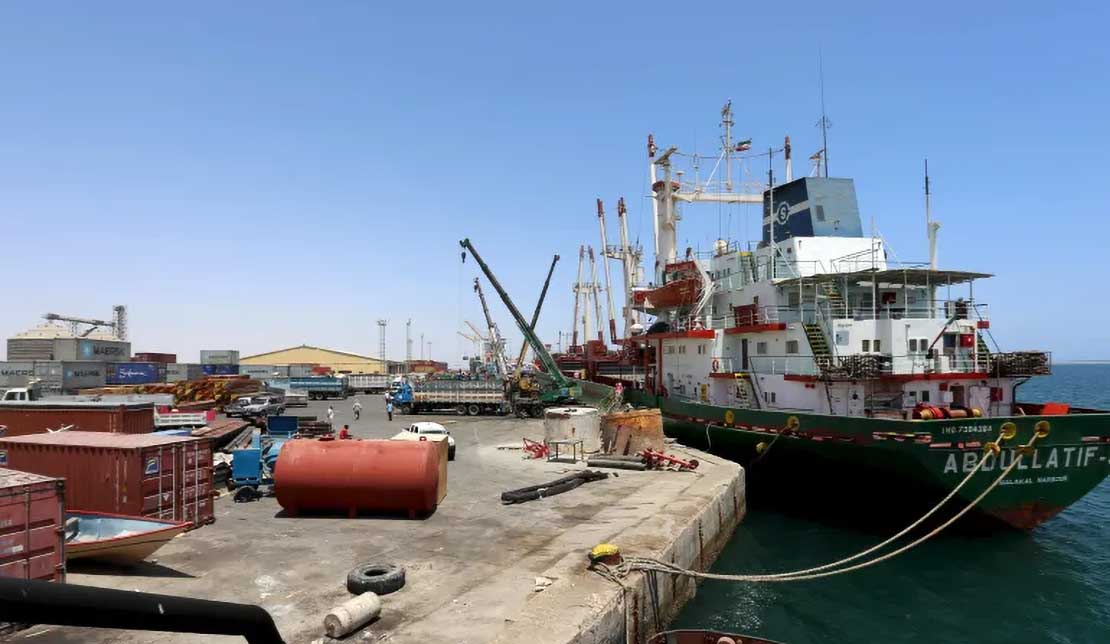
891,467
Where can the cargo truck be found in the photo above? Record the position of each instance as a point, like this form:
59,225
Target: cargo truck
464,397
317,387
368,383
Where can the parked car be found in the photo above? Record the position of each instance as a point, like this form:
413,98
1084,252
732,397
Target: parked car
426,429
256,406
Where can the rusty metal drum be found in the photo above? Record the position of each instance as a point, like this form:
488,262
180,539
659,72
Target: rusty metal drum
358,476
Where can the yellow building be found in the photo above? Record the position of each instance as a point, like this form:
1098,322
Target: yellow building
338,361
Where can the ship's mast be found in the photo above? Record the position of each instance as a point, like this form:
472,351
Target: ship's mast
931,227
605,255
595,292
824,122
577,298
631,265
727,123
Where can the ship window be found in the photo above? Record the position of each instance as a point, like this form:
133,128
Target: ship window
866,346
670,348
875,345
913,345
761,348
923,344
819,212
924,395
701,349
682,348
792,346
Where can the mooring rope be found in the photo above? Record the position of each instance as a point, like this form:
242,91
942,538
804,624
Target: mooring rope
630,564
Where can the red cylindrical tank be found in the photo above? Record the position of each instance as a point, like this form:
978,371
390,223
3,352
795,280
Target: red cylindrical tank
355,476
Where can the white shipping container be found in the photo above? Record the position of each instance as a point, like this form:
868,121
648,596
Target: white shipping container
16,374
219,356
83,375
91,350
178,371
260,371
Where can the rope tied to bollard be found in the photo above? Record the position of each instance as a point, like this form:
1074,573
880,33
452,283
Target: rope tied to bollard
628,565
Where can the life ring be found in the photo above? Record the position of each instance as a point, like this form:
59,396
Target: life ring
716,365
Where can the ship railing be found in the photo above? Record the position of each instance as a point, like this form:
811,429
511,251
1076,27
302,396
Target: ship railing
936,310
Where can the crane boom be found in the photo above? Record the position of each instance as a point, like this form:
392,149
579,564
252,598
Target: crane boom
535,316
608,280
537,346
494,334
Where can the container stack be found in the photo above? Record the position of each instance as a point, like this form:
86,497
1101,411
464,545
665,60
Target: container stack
32,538
148,475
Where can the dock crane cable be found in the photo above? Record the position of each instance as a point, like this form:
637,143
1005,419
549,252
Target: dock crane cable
1008,432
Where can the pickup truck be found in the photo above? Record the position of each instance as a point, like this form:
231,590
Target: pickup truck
256,406
428,431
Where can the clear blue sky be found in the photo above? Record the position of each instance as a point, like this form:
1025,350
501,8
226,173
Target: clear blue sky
253,175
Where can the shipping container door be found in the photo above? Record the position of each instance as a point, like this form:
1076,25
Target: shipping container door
159,482
197,482
31,539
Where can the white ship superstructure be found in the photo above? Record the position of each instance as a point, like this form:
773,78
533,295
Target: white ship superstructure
817,316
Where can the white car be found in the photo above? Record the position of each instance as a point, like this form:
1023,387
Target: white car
434,428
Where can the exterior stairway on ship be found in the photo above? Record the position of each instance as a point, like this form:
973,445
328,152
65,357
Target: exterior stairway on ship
822,357
744,391
834,298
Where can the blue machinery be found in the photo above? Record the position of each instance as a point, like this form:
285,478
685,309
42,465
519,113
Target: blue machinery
254,466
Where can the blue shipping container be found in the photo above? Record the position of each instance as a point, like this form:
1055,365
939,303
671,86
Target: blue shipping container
220,369
134,373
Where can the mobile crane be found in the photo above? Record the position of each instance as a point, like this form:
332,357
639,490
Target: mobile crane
527,394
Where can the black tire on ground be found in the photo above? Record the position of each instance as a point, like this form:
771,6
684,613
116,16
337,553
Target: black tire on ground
246,494
461,410
537,411
378,578
473,409
521,412
406,408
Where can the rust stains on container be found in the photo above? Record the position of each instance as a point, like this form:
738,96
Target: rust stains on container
32,538
644,428
353,476
167,477
36,417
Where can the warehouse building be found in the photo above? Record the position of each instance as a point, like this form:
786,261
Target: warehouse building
337,361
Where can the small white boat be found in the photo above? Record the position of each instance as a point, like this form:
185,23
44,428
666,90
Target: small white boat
117,538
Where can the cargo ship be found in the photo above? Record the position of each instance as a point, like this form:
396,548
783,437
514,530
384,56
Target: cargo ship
837,374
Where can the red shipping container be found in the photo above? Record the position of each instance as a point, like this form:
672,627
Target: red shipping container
32,520
152,475
37,417
164,358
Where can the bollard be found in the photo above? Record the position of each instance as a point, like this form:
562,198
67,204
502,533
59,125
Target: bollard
352,615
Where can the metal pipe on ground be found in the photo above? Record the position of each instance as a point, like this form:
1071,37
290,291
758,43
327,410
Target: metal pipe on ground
44,602
616,464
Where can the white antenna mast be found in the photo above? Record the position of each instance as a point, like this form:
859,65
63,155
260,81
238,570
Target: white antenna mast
727,123
931,227
824,123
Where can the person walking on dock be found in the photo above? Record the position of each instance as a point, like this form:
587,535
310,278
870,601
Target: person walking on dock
357,408
331,414
389,410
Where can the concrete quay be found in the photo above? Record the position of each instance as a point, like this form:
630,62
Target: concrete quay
472,566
